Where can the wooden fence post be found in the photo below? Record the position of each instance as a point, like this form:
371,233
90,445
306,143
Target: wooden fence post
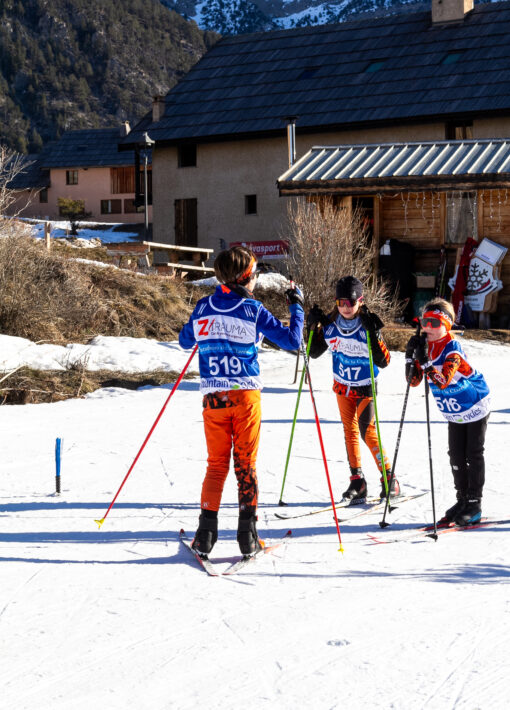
47,233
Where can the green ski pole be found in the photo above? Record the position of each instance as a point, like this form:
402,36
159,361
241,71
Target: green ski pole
372,379
303,373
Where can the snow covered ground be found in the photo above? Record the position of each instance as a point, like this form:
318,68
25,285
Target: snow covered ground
88,232
122,616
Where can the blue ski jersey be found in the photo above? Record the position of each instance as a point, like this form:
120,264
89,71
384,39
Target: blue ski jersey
467,397
229,330
351,366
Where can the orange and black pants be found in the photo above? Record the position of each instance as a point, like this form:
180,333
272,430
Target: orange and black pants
231,421
358,417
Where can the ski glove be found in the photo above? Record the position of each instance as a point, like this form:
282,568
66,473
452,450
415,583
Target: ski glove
416,349
316,317
294,296
370,321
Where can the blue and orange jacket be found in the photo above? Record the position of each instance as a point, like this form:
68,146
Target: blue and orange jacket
460,391
229,330
349,349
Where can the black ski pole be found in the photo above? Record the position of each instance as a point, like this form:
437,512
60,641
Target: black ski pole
387,507
433,535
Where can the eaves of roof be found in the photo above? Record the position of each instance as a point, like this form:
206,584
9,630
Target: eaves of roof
387,167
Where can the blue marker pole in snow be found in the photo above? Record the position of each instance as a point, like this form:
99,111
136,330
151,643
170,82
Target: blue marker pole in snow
58,456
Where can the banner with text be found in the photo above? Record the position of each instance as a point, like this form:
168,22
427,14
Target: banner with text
276,249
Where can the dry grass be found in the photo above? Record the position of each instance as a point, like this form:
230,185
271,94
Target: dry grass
29,386
48,296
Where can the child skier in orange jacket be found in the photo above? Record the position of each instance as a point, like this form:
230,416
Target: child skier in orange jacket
344,333
228,327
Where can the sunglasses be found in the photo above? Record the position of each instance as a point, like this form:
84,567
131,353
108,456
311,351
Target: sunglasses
432,322
347,302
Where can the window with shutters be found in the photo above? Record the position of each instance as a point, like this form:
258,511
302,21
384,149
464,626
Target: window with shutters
122,180
186,226
129,206
111,206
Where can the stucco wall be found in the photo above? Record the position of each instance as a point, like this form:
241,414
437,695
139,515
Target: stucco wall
93,186
226,172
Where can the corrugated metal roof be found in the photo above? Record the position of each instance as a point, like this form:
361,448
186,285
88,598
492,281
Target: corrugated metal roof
430,159
247,84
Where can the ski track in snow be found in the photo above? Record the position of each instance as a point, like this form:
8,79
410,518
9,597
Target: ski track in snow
123,615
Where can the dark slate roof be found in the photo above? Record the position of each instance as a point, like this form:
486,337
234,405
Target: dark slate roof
32,176
97,147
331,76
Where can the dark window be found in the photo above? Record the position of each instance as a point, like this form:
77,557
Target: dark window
111,206
43,195
71,177
129,207
187,155
458,131
122,180
186,226
308,72
250,204
375,66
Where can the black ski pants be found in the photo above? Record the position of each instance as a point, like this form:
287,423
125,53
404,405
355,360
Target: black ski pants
465,448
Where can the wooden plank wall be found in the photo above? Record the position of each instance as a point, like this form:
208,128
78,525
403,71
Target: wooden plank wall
416,218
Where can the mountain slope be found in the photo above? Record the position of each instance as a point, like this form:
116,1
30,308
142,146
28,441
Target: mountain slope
239,16
68,64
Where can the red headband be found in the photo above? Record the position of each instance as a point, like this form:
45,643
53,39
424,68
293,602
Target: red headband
246,275
445,319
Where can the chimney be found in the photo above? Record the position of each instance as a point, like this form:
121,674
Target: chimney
449,11
158,108
124,129
291,139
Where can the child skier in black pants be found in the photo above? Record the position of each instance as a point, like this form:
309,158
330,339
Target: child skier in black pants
462,396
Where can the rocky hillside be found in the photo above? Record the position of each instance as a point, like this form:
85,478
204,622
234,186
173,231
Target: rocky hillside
68,64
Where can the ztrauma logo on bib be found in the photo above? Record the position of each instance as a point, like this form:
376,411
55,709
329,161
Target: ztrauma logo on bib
225,328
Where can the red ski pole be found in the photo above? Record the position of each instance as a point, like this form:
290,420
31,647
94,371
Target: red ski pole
177,383
305,358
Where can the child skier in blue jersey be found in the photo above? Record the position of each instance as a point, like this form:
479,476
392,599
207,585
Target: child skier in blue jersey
344,332
228,327
462,397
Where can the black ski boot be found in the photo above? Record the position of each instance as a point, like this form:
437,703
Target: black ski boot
357,491
207,532
452,512
247,535
394,487
471,513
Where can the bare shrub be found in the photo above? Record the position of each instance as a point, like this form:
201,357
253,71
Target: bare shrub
46,296
11,165
328,242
